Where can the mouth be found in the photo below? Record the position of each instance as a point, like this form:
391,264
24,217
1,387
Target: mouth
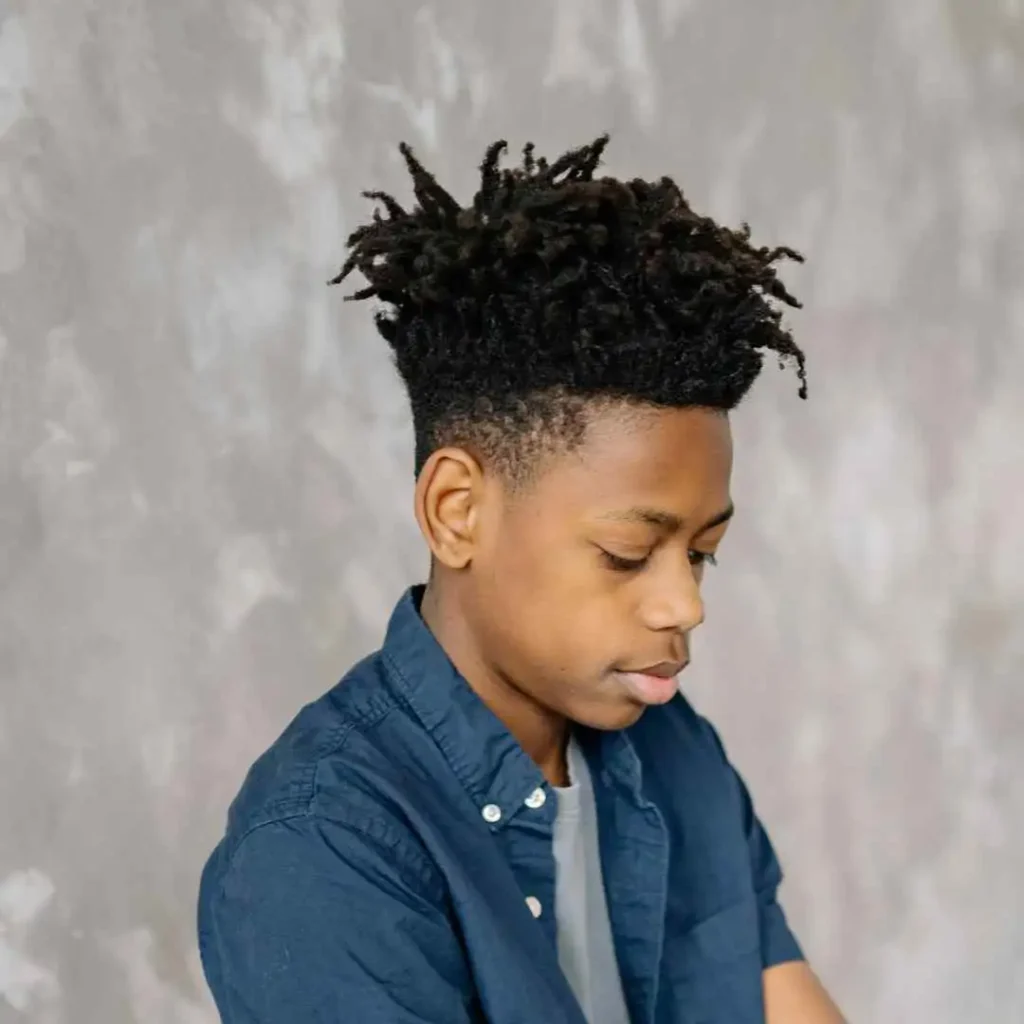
655,684
663,669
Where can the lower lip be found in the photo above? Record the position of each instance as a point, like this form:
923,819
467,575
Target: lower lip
649,689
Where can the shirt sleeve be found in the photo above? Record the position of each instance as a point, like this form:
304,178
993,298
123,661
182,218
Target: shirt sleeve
778,943
313,922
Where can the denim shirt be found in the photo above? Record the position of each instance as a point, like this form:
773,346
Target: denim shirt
389,860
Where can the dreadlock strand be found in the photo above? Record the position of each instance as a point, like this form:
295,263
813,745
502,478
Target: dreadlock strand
489,175
431,196
395,211
554,285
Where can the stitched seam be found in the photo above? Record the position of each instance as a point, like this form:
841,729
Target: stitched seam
404,857
453,762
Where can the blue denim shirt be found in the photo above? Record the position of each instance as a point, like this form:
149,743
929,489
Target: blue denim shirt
361,878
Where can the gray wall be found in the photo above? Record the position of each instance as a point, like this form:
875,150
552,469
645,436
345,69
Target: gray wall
204,456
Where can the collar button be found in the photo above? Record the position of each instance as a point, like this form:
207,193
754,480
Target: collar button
536,800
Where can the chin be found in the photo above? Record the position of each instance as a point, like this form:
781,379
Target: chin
612,718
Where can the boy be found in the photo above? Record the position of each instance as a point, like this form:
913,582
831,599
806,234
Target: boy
509,813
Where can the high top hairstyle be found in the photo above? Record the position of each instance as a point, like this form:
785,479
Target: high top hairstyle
554,290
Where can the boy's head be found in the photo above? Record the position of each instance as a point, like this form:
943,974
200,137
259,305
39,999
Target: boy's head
571,347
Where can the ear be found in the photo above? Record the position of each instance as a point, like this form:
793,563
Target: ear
449,492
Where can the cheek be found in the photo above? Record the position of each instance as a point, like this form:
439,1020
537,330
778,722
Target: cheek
537,565
549,605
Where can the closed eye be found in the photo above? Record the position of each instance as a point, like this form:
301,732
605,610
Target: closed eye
618,564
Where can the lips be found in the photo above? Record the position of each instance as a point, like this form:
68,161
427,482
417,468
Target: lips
655,684
663,669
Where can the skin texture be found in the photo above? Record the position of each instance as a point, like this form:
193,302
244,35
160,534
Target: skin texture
793,995
524,597
532,600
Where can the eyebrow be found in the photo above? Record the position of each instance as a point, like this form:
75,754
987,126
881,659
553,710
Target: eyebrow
666,520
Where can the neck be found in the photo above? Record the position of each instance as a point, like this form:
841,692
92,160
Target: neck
541,733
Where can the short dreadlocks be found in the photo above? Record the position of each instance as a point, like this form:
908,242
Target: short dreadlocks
555,290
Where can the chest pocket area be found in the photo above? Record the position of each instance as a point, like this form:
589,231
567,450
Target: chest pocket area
712,972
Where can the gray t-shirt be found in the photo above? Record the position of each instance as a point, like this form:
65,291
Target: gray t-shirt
586,951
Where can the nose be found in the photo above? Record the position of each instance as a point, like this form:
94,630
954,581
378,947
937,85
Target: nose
675,604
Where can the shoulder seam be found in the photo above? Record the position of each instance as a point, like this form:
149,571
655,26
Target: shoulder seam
404,855
301,792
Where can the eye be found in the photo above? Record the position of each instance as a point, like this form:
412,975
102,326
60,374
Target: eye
617,564
702,558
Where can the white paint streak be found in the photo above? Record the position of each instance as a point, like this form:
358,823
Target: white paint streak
79,467
12,229
635,63
923,30
986,534
988,175
673,11
152,998
234,296
246,576
854,267
15,79
158,750
78,433
877,508
76,770
571,59
727,193
23,896
232,302
420,111
15,72
22,982
303,53
444,70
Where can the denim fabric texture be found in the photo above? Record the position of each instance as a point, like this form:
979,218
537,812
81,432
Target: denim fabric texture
389,861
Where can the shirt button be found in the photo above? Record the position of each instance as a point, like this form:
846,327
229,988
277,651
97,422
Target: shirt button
534,904
536,799
491,813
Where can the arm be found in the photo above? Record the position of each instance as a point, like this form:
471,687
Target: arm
792,992
793,995
315,922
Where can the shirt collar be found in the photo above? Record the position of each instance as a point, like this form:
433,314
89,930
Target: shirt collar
488,761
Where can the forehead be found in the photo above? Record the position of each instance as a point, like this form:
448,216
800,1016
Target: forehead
677,460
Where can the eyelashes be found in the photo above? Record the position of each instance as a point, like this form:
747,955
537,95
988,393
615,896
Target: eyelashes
702,558
632,565
617,564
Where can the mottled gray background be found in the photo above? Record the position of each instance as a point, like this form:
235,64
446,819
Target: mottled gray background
204,457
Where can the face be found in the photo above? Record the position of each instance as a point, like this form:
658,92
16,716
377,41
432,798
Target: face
578,592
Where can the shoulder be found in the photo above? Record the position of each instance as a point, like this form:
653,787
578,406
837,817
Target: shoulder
688,774
330,778
701,795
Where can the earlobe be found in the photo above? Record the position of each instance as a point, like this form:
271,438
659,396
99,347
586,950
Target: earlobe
448,492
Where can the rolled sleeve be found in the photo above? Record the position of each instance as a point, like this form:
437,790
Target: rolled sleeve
314,922
778,943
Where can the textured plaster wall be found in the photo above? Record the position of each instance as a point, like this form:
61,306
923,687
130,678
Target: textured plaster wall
204,456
